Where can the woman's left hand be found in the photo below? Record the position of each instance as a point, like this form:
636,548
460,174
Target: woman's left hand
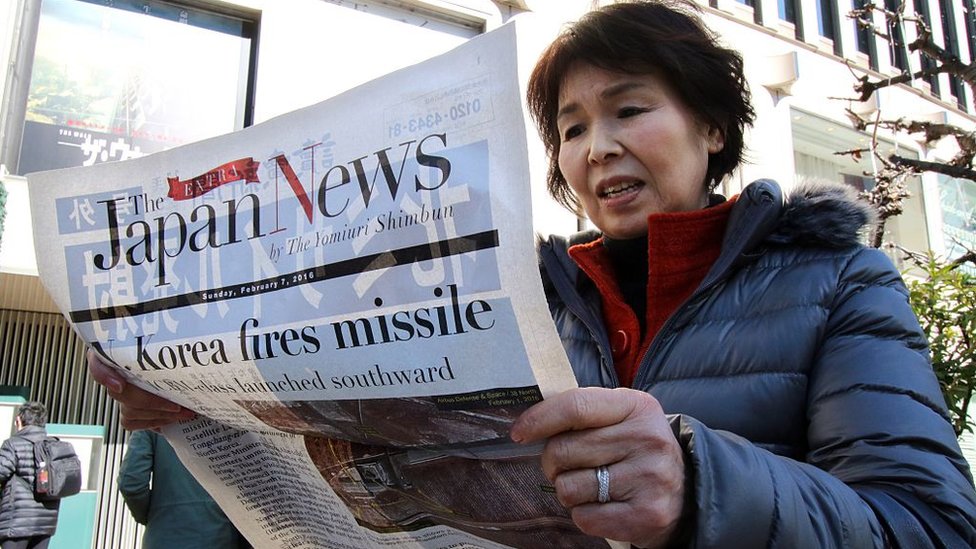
627,431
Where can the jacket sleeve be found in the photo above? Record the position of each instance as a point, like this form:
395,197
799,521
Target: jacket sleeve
883,466
135,474
8,462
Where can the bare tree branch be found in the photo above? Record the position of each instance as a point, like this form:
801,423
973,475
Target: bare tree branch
865,86
935,167
968,257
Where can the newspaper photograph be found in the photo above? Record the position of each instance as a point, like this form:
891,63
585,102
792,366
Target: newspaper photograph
348,296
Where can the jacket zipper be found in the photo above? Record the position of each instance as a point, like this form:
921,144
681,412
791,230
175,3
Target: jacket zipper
644,369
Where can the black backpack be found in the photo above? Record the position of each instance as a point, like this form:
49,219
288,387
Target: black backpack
57,472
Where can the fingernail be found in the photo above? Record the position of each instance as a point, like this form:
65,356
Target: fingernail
114,385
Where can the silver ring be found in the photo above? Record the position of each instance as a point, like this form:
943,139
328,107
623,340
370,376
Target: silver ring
603,484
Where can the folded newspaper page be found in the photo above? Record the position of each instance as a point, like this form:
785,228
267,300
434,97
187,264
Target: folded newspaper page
349,297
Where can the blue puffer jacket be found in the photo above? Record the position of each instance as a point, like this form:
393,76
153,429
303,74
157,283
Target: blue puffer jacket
21,516
799,381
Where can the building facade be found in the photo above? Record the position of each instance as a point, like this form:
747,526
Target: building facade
89,81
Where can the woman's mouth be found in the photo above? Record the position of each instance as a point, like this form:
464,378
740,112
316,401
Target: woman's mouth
619,189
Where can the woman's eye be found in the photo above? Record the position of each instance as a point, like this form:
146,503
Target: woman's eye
572,132
627,112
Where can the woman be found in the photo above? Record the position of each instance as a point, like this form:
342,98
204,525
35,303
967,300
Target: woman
752,376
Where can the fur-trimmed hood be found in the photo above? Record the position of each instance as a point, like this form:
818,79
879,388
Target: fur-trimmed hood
822,213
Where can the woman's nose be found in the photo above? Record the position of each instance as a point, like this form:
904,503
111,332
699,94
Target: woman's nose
604,146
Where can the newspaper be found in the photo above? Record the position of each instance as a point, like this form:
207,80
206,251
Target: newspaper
347,295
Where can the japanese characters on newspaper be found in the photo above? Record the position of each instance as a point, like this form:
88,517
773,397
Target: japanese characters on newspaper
348,295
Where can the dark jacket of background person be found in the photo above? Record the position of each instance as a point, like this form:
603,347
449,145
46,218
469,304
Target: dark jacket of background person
176,510
21,516
800,343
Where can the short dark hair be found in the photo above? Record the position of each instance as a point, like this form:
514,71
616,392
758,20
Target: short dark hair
33,413
662,37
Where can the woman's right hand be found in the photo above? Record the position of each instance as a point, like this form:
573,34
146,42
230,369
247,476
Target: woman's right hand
140,409
626,432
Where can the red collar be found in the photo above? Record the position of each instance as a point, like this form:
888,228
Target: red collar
681,248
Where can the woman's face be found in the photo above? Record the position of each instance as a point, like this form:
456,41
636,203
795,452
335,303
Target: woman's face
629,147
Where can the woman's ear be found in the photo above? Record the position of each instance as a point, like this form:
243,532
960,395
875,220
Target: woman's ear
715,139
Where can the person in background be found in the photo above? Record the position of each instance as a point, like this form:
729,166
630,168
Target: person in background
162,494
751,375
25,523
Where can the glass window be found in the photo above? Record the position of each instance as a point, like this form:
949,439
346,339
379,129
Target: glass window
825,18
957,198
864,37
816,142
119,79
787,10
922,8
969,19
896,43
951,42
